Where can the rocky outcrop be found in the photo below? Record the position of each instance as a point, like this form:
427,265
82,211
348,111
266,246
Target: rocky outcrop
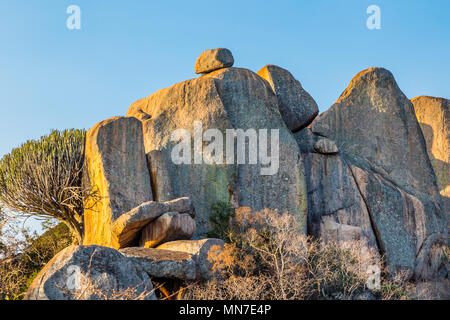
167,227
374,123
203,252
213,59
163,263
90,273
228,98
374,126
296,106
433,115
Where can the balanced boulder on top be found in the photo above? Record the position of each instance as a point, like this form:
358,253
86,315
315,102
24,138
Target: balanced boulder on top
213,59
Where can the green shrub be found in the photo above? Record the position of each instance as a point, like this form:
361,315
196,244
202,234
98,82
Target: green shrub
220,220
44,178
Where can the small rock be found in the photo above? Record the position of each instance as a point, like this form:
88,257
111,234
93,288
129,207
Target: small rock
305,140
201,250
90,273
163,263
169,226
326,146
213,59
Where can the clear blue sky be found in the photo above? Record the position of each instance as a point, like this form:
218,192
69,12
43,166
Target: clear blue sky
52,77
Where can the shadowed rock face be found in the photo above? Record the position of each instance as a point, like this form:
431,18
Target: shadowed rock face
433,115
333,195
375,129
228,98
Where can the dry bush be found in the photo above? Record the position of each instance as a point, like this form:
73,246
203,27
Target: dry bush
269,258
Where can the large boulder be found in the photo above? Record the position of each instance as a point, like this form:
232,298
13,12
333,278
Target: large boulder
213,59
433,115
90,273
374,126
163,263
167,227
374,122
127,228
228,98
116,167
297,107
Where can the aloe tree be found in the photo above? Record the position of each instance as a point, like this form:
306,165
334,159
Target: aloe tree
43,178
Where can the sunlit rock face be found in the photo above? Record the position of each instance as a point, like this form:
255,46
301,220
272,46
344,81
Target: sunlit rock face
116,168
374,126
228,98
433,115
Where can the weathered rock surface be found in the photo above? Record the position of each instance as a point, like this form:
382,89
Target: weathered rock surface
160,181
228,98
296,106
213,59
169,226
183,205
126,229
374,123
433,115
90,273
201,250
325,146
335,205
116,167
163,263
306,140
407,227
375,129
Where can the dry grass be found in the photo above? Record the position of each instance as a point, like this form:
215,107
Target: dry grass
268,258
